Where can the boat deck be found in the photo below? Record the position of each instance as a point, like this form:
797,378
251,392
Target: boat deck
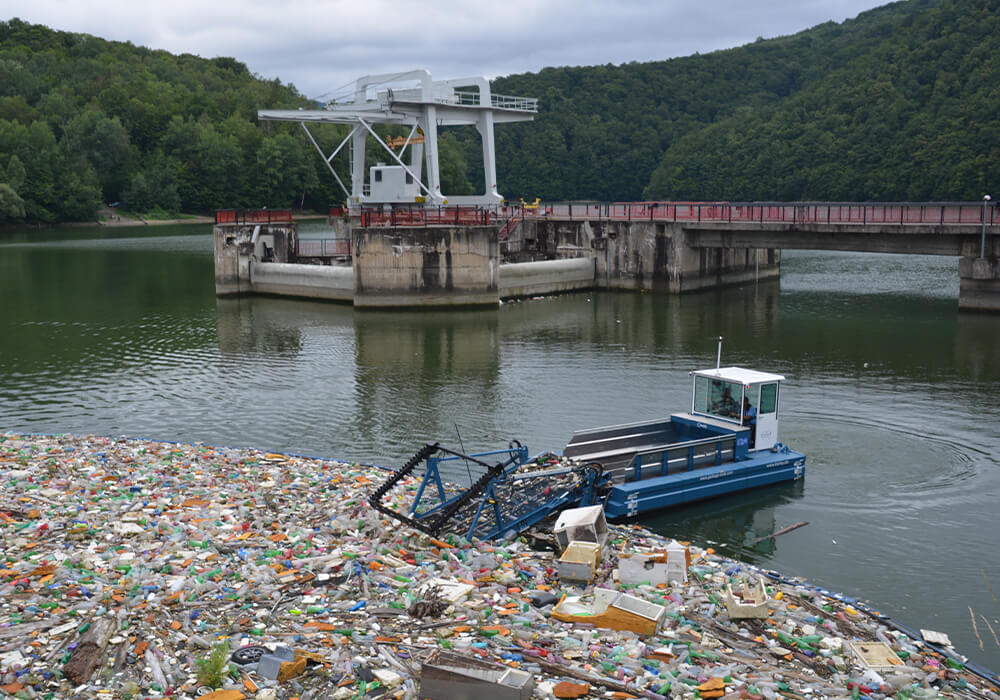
681,442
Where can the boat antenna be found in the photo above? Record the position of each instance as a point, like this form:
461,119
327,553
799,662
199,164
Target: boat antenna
718,354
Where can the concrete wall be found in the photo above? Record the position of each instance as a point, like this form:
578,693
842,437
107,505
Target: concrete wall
433,266
238,245
917,239
546,277
645,255
459,265
330,282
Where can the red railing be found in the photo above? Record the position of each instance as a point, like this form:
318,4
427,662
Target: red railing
897,213
511,224
323,248
252,216
420,216
934,213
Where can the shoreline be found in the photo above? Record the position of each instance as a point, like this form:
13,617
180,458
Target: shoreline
119,221
167,546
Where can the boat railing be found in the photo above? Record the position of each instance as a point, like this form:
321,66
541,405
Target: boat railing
683,456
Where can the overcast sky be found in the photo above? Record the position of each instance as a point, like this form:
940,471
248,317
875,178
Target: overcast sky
321,46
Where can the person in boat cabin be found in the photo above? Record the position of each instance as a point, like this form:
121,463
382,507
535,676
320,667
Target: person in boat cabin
750,418
726,405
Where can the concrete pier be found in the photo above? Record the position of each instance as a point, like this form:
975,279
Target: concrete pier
426,266
979,284
644,255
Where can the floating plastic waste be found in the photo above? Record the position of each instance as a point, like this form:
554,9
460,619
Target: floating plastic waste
139,569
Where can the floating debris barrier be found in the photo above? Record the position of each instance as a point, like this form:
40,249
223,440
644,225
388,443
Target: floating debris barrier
139,569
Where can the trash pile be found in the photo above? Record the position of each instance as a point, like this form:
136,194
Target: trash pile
138,569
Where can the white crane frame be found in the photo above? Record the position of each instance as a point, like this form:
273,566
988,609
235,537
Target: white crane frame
431,104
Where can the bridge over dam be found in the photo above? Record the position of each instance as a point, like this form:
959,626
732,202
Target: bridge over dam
412,256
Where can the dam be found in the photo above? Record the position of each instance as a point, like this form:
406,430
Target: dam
400,241
480,255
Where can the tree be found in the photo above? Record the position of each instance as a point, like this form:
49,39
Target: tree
15,174
453,166
11,204
284,171
104,143
81,197
138,195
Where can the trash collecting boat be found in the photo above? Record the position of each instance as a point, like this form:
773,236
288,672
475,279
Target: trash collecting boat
726,443
717,448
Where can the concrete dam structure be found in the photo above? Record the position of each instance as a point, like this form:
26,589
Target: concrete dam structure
474,256
460,265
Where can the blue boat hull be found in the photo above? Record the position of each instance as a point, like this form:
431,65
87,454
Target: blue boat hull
761,469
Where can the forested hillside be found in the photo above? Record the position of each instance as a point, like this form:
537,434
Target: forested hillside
912,114
900,103
84,121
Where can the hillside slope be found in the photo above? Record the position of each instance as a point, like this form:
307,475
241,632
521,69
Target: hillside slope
915,116
898,103
85,121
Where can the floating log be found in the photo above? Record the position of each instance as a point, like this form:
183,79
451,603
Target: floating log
89,653
782,531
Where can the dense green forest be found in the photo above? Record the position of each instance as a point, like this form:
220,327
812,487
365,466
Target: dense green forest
84,121
900,103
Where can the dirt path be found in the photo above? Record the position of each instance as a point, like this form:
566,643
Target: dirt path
112,217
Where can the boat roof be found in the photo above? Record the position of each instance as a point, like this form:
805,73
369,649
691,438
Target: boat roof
739,374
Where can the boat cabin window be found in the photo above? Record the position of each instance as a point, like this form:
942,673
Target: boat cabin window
717,397
768,398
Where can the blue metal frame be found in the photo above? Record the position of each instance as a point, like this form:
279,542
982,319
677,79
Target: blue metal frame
586,491
585,496
516,456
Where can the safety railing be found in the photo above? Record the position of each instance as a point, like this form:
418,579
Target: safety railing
929,213
252,216
466,98
524,104
899,214
683,456
323,248
421,216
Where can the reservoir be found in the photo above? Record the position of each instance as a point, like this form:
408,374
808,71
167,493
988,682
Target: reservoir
893,395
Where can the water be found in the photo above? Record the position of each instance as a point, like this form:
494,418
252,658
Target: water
891,393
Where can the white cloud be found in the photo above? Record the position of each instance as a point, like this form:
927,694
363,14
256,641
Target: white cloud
323,45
